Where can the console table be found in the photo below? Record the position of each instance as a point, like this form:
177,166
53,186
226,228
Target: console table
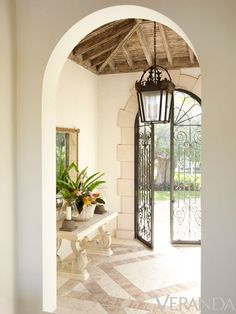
75,265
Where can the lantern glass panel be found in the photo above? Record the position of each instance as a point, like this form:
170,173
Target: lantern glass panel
168,105
163,107
151,105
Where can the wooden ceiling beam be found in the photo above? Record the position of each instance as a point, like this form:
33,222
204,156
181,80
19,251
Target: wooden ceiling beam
102,29
112,65
79,60
90,43
114,48
165,43
100,59
128,57
120,45
97,52
180,62
145,46
191,55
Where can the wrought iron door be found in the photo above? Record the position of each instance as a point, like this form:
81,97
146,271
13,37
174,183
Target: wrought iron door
144,174
185,165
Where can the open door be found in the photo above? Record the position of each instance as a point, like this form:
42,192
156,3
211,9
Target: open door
144,182
185,196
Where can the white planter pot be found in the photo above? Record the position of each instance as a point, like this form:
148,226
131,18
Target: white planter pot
86,214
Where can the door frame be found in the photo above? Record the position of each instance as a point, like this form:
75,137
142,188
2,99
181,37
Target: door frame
172,171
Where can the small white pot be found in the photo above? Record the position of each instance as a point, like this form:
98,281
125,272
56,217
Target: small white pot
86,214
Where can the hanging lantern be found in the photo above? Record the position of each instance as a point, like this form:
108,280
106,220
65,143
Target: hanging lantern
155,92
155,96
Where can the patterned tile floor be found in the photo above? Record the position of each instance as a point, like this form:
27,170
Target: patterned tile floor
135,280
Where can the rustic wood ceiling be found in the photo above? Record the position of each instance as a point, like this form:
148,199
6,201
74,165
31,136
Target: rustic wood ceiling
127,46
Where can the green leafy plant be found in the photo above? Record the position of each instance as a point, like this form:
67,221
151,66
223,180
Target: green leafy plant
187,182
79,188
61,176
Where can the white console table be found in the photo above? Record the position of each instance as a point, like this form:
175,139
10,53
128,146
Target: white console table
75,265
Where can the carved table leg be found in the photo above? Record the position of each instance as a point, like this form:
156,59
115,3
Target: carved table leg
100,245
75,265
80,262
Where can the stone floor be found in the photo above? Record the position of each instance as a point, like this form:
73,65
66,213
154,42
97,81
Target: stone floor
135,280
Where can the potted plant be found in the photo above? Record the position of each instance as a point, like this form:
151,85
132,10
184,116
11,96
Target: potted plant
80,191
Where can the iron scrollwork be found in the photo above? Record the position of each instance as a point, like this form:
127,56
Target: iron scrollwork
144,182
186,207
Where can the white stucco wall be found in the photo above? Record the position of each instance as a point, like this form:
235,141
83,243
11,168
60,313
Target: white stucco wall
7,157
77,107
40,25
113,93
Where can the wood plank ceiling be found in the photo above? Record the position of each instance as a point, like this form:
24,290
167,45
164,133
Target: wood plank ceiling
127,46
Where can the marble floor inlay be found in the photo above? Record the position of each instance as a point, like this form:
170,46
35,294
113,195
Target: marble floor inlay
135,280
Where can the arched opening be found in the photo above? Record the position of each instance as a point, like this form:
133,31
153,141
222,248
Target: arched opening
51,77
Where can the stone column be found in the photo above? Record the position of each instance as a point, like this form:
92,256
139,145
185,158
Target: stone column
125,154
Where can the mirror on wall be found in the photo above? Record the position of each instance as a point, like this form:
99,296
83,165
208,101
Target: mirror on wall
66,146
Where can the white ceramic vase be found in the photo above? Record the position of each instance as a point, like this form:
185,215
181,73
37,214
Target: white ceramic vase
86,214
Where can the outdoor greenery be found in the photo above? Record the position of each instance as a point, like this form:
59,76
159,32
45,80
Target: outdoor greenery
162,140
62,148
165,195
184,185
187,182
187,151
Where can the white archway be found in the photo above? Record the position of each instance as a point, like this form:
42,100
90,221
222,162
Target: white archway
50,81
